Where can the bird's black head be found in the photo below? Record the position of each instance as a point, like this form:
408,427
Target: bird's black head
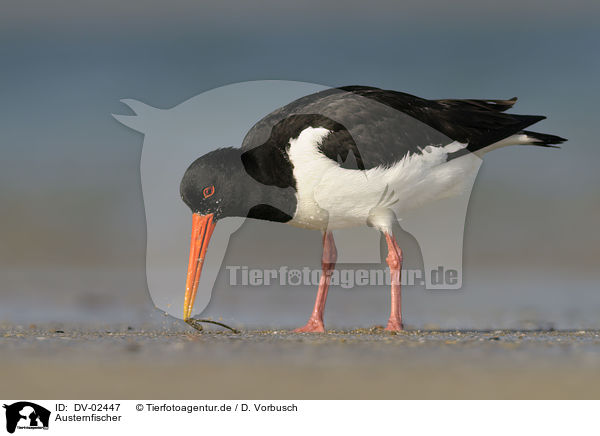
216,186
208,187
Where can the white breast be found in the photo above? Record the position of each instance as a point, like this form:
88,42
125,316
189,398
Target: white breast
331,197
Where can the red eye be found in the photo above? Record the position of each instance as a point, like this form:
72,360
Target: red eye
208,191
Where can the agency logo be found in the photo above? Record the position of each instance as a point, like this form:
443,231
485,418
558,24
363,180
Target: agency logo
26,415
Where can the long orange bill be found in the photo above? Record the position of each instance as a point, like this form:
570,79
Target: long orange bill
202,228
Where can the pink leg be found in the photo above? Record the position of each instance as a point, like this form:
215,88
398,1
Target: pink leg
394,261
315,323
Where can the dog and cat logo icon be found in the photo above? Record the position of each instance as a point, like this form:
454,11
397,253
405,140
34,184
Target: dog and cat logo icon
26,415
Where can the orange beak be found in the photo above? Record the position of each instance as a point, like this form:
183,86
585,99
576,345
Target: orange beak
202,228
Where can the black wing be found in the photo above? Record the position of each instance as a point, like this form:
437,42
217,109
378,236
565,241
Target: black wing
477,123
373,127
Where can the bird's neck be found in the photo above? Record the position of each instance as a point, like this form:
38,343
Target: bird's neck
253,199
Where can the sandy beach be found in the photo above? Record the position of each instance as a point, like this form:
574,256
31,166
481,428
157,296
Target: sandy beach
57,361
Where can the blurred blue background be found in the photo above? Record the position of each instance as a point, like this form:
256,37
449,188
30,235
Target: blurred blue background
72,221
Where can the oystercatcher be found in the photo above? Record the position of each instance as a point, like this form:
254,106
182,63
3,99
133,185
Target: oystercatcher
345,157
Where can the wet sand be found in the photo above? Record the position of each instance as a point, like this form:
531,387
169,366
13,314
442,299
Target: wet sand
53,362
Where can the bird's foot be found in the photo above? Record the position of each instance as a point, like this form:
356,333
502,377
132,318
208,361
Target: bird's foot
313,325
394,325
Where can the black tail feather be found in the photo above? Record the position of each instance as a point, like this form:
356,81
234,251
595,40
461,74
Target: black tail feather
478,123
495,105
544,139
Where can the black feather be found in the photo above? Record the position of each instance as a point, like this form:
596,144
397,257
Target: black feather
544,139
478,123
